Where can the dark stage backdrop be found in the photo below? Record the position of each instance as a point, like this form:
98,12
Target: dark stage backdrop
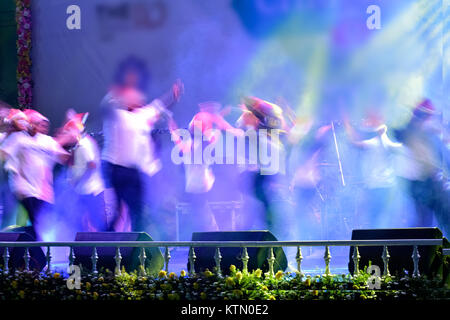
8,57
315,55
201,42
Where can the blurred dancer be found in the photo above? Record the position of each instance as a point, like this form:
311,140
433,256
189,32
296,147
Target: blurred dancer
207,124
420,166
265,181
377,166
85,173
129,152
12,120
31,154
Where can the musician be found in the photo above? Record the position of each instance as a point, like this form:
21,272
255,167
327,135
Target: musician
129,150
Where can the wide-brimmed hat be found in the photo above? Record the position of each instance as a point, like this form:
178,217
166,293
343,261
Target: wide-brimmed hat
425,108
269,114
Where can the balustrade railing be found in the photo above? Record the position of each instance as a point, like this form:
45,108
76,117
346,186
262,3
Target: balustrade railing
245,258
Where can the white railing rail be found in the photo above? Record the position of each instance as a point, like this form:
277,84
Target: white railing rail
414,243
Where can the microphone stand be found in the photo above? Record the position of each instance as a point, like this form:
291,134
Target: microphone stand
337,154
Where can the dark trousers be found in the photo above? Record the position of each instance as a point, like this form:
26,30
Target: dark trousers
93,208
431,198
9,205
35,207
273,194
128,187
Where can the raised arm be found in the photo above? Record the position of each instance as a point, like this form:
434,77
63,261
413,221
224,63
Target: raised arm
173,95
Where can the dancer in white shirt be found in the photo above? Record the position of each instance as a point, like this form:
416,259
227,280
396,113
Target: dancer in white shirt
200,177
420,167
85,174
129,150
12,120
31,155
377,168
266,181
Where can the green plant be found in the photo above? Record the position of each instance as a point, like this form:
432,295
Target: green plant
23,285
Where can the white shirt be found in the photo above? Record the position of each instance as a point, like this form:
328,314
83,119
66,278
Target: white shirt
86,180
127,135
30,161
377,161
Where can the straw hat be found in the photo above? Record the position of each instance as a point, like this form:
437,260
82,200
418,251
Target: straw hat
269,114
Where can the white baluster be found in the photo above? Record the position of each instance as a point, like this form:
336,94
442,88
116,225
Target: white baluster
218,259
299,259
167,258
356,257
385,256
6,261
245,258
118,259
327,258
416,257
94,259
271,260
26,258
71,257
49,259
142,258
192,258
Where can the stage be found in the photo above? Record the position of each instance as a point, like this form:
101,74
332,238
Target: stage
224,150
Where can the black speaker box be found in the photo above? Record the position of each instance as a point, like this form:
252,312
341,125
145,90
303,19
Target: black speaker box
431,258
258,256
16,254
130,255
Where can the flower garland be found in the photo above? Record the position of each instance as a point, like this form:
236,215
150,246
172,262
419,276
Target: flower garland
24,81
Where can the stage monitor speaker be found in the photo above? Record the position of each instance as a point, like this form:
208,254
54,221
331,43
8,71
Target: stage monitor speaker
258,256
431,258
16,254
130,255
